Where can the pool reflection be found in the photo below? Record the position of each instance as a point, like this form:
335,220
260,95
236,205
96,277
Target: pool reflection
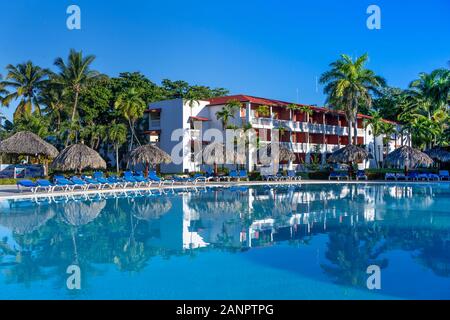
362,223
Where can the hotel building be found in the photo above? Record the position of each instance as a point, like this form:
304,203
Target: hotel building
311,137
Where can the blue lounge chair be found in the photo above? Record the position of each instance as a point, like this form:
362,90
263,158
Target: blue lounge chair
361,175
444,175
154,177
45,185
413,176
129,180
105,183
334,175
64,184
233,175
243,175
344,175
78,182
91,182
116,181
293,176
422,177
390,176
433,177
401,176
27,184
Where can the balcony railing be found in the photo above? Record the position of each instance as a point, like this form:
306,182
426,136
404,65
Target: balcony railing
303,126
155,124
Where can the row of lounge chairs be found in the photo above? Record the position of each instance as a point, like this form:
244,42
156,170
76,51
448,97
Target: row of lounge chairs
129,179
416,176
97,181
290,176
360,175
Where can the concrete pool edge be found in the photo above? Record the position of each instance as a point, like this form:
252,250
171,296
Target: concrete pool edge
10,191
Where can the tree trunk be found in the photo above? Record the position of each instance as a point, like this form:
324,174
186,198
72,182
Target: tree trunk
117,159
355,131
350,131
75,104
375,151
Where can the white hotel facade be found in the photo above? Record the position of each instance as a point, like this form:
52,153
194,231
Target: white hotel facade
305,135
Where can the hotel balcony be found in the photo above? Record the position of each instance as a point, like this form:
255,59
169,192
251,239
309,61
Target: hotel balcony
305,147
296,126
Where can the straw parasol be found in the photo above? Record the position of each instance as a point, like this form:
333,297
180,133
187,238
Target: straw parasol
150,208
148,154
78,157
79,213
349,154
284,154
23,221
407,157
438,154
29,144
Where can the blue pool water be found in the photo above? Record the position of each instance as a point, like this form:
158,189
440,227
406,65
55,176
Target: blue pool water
285,242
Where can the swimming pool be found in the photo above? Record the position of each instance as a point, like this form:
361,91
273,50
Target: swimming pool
266,242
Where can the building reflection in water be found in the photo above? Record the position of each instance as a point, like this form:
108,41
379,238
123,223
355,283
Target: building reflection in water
360,221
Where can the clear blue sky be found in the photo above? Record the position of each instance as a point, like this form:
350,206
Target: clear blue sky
260,47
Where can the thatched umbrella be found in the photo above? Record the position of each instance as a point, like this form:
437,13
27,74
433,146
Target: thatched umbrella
29,144
23,221
438,154
150,208
79,213
78,157
148,154
407,157
349,154
284,154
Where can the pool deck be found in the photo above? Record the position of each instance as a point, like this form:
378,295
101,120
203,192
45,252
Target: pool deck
11,191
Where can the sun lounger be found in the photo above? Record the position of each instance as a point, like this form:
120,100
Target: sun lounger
413,176
78,182
422,177
433,177
361,175
390,176
444,175
293,176
27,184
64,184
243,175
337,175
45,185
116,181
401,176
152,176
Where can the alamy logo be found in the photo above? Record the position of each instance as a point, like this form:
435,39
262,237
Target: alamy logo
374,20
74,280
73,22
374,280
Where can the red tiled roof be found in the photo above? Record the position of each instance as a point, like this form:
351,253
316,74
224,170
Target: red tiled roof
199,118
272,102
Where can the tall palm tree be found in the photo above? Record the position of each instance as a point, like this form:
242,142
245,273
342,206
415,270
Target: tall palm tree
55,103
3,90
426,106
25,81
228,112
348,85
377,125
131,106
75,75
117,134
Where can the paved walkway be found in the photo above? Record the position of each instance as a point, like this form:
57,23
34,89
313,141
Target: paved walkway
11,191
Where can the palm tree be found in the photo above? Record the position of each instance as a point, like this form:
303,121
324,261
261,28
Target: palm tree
131,106
377,125
117,134
3,90
228,112
425,107
26,81
75,75
55,104
348,84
